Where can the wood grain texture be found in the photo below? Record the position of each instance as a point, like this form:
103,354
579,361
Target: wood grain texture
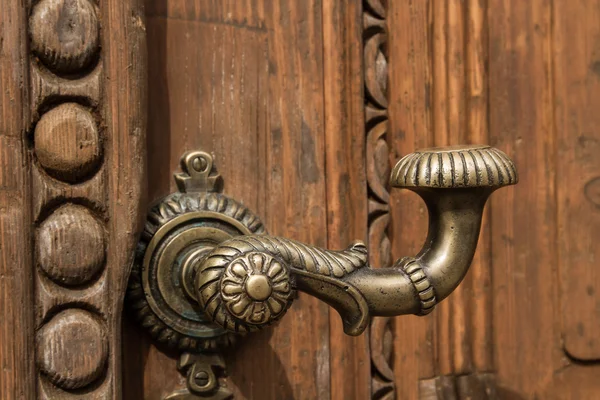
87,184
17,374
125,88
577,37
67,142
60,241
248,87
523,219
518,75
72,349
463,330
410,119
345,180
64,34
477,126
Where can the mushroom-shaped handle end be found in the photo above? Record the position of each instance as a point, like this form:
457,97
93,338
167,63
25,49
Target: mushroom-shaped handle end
467,166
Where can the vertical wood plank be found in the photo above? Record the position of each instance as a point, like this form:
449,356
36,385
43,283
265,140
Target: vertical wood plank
523,226
247,85
463,330
125,88
296,145
209,91
452,347
455,319
577,84
345,179
410,114
456,37
477,60
16,284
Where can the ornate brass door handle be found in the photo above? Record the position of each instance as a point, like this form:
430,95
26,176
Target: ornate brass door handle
206,270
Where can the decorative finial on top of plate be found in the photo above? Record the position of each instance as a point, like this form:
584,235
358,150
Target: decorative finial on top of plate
199,174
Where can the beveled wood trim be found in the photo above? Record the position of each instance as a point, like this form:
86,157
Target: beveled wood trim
376,123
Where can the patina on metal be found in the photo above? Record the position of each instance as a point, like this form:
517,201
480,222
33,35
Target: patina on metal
202,378
454,183
180,231
206,271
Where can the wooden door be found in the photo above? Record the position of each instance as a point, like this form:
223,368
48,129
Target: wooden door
274,91
304,105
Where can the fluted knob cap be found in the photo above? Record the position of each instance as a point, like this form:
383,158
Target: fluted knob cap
467,166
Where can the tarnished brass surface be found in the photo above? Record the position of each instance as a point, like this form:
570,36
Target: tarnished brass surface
454,183
217,262
180,231
202,380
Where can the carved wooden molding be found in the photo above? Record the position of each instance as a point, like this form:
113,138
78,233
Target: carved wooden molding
378,171
86,168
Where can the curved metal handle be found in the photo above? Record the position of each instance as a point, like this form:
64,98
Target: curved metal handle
246,282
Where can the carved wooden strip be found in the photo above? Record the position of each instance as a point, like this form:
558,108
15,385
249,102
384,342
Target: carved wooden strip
375,65
87,186
70,239
381,345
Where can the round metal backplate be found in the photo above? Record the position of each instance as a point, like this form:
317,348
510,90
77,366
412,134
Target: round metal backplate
179,232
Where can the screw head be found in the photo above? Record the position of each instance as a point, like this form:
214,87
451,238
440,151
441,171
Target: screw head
199,164
201,378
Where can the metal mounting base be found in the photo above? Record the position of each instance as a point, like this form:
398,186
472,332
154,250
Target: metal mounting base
202,379
180,231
